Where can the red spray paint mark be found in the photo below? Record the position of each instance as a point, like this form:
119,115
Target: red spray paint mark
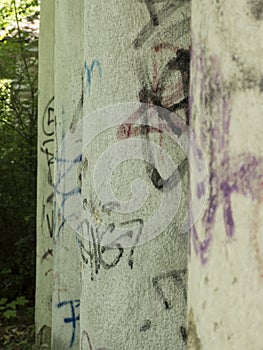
170,94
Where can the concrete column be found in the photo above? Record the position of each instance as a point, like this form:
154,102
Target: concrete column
226,264
132,297
68,85
45,177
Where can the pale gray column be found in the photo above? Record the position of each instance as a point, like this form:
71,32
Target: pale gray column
226,266
45,176
133,298
68,107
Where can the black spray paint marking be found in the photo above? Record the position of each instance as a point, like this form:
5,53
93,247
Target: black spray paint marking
47,147
177,277
150,4
158,18
146,325
48,118
78,111
50,158
94,253
47,253
171,181
50,223
183,333
256,9
180,62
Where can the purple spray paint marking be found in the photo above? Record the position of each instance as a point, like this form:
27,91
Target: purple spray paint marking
240,174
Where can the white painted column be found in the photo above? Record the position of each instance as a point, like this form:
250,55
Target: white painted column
226,264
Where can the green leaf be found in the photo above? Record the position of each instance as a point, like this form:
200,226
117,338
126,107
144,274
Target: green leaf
3,301
5,270
9,313
21,300
12,305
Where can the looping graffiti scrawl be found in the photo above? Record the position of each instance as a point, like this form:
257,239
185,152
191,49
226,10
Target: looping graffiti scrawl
47,147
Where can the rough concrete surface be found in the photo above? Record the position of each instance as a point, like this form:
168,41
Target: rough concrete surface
225,273
125,297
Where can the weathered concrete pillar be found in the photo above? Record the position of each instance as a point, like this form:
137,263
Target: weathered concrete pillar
132,247
68,85
133,296
45,177
226,265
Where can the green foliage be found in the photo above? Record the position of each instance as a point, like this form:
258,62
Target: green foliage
10,309
2,302
23,8
9,313
16,324
18,147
